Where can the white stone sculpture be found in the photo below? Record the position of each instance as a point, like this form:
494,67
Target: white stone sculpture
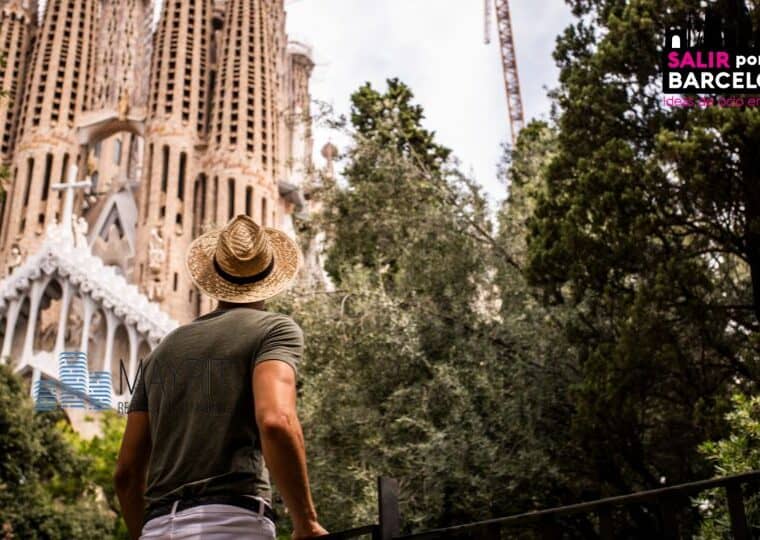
80,231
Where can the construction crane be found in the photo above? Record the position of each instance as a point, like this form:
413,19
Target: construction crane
508,60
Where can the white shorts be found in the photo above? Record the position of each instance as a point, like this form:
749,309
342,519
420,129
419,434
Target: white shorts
210,522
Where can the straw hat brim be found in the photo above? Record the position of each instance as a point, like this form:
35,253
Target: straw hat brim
200,266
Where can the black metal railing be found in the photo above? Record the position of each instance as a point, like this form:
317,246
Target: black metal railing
670,500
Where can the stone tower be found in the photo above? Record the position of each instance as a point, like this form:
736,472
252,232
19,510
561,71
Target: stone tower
297,141
212,151
58,81
243,157
18,22
175,128
175,132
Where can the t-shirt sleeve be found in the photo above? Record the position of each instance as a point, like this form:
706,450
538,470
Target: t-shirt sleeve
283,341
139,401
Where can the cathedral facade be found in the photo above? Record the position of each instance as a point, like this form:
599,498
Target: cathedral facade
156,134
179,128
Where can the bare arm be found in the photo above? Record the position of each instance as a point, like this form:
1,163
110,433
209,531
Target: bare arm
274,388
129,478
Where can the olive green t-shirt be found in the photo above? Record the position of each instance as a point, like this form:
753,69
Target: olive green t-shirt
197,388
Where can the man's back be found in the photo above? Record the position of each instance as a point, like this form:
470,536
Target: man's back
196,386
194,428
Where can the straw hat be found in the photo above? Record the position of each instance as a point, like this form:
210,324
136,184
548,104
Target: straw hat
243,262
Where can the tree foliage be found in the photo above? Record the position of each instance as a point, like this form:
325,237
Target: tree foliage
433,361
101,453
737,453
646,227
406,363
44,489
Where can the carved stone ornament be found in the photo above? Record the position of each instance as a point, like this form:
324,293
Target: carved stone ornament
156,252
114,250
16,257
124,105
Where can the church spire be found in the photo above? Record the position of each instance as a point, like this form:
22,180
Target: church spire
58,81
175,133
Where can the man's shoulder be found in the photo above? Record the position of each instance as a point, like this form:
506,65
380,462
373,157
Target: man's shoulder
230,325
267,321
269,325
256,320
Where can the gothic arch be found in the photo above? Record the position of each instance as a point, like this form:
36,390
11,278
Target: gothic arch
120,355
19,331
75,318
96,341
48,314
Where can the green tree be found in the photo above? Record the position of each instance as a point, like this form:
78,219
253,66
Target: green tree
44,490
547,464
407,368
554,360
645,229
101,453
407,215
523,172
390,147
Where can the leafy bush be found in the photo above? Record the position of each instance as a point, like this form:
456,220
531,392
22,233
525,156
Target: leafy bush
45,490
737,453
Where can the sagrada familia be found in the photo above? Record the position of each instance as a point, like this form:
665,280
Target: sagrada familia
123,142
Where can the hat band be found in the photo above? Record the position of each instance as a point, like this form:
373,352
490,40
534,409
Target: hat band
244,280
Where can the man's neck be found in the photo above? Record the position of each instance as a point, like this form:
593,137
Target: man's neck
260,305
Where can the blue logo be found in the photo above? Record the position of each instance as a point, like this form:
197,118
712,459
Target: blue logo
76,388
100,390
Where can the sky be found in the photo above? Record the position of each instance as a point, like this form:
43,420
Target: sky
437,48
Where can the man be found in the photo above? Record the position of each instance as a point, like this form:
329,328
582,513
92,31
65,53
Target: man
216,401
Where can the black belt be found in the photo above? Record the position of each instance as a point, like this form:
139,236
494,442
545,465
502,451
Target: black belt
241,501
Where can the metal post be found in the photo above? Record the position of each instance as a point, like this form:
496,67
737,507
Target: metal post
550,529
606,528
387,499
739,528
669,510
491,532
